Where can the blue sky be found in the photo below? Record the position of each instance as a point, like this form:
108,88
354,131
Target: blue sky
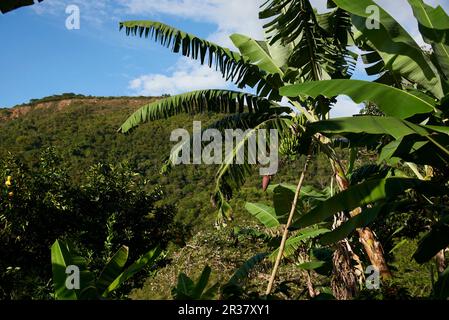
41,57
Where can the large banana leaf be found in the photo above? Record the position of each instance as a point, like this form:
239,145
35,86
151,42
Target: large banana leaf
398,49
429,17
359,8
113,268
231,64
365,193
336,23
225,101
338,26
364,219
392,101
434,27
257,52
316,54
418,151
278,52
394,127
279,12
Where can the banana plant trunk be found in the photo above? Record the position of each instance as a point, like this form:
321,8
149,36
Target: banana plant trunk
374,251
440,261
372,246
345,281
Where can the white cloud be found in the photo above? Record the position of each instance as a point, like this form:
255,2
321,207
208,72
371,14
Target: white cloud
185,76
345,107
229,16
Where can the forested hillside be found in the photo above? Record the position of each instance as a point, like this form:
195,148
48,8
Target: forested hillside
83,132
64,136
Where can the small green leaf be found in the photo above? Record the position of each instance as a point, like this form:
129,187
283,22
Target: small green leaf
265,214
311,265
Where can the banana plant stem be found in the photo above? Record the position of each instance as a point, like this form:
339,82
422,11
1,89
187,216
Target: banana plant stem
289,222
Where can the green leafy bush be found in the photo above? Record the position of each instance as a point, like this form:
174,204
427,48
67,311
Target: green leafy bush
110,208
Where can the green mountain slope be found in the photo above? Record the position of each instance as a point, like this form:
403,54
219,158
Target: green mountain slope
84,131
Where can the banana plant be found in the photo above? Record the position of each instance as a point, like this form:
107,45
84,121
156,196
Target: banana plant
201,289
300,45
187,289
83,284
302,247
274,217
412,91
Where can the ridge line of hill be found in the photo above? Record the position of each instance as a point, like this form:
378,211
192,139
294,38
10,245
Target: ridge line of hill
60,102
